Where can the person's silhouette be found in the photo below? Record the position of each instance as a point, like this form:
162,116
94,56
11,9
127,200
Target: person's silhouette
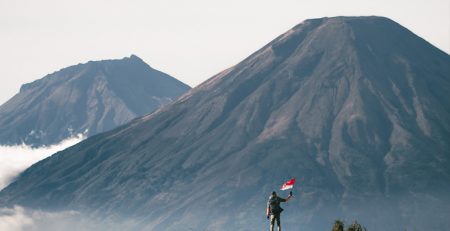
274,209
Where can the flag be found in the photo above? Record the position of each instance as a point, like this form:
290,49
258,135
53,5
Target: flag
288,185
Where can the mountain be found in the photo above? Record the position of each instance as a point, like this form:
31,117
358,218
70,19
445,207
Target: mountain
356,108
85,99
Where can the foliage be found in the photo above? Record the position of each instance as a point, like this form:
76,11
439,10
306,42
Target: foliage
355,226
338,226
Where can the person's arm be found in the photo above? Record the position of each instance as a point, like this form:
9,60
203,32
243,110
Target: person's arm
287,199
268,212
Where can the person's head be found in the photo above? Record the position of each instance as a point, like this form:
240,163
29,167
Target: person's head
274,194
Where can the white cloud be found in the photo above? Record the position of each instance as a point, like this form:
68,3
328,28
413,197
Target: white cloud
24,219
14,219
15,159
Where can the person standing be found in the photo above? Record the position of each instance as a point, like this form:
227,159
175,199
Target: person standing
274,209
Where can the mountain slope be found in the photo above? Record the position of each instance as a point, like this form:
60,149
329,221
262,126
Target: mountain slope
355,106
85,98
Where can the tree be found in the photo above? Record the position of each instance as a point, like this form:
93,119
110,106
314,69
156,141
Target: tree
356,227
338,226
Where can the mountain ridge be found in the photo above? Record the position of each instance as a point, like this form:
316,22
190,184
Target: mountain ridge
73,68
85,99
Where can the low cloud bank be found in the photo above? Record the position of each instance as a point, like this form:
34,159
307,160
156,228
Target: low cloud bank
14,219
15,159
21,219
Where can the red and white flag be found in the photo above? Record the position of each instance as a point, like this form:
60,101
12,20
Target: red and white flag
288,185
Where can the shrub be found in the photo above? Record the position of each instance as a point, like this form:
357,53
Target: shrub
338,226
356,227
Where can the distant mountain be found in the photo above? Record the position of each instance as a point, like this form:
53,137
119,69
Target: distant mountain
356,108
86,98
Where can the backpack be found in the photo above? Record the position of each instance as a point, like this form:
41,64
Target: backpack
274,204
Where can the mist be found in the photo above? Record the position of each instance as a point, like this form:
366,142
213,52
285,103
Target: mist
15,159
19,218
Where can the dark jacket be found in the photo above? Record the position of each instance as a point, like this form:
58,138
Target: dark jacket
274,204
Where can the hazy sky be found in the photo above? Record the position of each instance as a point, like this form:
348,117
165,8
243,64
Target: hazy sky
191,40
